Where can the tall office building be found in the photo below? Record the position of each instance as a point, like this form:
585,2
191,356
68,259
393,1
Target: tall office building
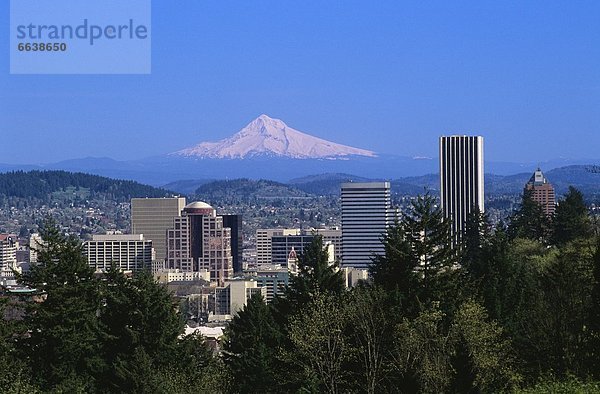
128,252
461,179
366,215
8,251
153,217
234,222
542,192
198,240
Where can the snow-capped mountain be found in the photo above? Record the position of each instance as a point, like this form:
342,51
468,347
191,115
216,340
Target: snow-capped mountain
265,136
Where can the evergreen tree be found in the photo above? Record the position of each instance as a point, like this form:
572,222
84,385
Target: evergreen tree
594,315
567,284
63,344
139,322
251,349
396,269
14,374
476,237
428,233
529,221
571,219
316,275
492,272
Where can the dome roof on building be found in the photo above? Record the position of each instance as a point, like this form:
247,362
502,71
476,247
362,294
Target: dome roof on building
198,205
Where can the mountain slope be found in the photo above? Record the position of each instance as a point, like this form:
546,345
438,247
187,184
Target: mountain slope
265,136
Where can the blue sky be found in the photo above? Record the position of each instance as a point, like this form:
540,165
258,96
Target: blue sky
389,76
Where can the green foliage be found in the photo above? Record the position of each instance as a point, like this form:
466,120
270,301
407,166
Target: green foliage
594,315
139,323
428,233
469,355
14,374
571,220
371,335
418,259
320,347
529,221
64,327
423,352
252,343
396,269
567,283
572,385
315,275
489,354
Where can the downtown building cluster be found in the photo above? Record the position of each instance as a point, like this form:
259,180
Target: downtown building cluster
199,253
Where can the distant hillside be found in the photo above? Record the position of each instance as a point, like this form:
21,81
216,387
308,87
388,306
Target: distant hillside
415,185
584,177
187,186
325,184
230,191
330,184
42,184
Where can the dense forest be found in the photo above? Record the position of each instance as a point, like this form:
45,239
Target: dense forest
509,308
41,184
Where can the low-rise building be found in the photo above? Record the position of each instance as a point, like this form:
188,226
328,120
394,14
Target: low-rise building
175,275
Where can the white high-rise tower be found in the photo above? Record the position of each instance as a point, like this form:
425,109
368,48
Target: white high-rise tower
366,216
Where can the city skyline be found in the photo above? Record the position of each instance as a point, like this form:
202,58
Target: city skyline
400,75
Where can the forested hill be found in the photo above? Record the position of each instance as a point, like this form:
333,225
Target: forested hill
41,184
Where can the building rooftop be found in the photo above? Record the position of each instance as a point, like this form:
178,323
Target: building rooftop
538,178
198,205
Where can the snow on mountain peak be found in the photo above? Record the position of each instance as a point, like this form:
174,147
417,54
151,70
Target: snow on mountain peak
265,136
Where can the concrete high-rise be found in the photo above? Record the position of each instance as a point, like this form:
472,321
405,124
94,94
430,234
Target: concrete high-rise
282,245
198,240
128,252
264,240
366,216
8,250
461,179
542,192
153,217
273,246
